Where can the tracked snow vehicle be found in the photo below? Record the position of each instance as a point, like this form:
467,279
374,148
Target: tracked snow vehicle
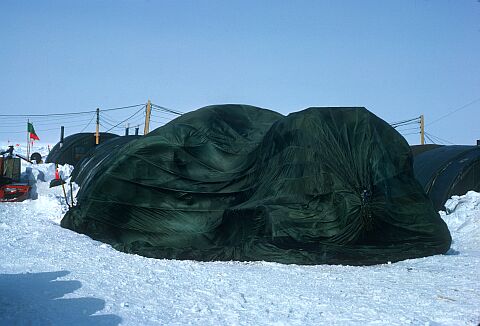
11,189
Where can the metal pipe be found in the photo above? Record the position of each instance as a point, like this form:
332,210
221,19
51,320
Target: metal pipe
62,135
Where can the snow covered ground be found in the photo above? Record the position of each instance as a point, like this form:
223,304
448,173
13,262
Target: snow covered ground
53,276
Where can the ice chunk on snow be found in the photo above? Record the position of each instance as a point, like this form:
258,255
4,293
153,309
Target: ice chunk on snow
468,202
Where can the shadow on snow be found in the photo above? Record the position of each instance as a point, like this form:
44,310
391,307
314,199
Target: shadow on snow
35,298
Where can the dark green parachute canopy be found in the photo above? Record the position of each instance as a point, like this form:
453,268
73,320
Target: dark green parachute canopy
95,160
236,182
444,171
75,147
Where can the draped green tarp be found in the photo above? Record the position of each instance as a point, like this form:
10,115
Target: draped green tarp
236,182
95,158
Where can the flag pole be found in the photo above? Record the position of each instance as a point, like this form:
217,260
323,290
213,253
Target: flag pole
28,139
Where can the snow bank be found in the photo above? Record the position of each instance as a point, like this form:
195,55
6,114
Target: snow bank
462,216
45,172
33,174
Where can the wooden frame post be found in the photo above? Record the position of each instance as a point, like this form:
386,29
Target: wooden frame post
97,134
148,111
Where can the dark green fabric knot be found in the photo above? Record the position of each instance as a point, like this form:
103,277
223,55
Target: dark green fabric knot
366,211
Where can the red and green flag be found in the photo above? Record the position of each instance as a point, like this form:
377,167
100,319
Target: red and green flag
31,131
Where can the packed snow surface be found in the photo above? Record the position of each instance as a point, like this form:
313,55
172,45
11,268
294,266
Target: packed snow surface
53,276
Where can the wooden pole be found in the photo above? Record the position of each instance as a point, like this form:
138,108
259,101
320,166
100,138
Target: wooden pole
97,135
148,110
422,130
71,192
63,186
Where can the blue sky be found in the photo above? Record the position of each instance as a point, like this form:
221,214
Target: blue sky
398,58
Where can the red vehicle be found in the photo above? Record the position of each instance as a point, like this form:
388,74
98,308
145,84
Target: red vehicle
11,190
14,192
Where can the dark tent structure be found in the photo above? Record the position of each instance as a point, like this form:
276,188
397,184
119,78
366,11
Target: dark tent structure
444,171
419,149
236,182
75,147
97,156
